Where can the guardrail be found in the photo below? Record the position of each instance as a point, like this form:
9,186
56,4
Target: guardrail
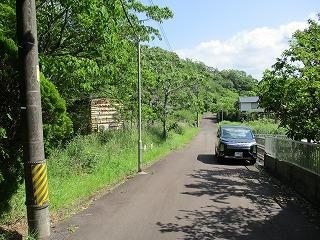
271,135
260,139
260,147
302,154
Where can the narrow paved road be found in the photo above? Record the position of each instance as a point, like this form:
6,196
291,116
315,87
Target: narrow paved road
188,195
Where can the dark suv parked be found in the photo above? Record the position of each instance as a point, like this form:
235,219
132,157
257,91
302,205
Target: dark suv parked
236,142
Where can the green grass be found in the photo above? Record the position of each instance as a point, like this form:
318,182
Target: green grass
96,162
262,126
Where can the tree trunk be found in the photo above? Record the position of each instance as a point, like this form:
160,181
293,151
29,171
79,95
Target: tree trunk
164,127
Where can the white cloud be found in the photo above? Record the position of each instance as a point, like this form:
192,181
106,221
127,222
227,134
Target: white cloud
252,51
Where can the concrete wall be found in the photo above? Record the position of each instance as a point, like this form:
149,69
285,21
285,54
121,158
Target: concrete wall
247,107
303,181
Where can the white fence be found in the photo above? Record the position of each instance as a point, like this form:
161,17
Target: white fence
302,154
305,155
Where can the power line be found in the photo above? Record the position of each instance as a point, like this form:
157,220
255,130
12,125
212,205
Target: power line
165,37
163,33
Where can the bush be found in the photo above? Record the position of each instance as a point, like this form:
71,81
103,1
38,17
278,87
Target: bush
105,136
81,154
79,112
57,125
185,116
11,168
249,116
155,133
266,126
78,157
177,128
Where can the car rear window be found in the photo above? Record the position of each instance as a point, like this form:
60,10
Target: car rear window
237,133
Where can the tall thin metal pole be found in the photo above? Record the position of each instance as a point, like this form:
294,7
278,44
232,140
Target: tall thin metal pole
198,105
222,114
197,118
139,103
31,117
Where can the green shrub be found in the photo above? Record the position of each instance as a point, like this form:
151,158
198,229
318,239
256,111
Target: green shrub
79,112
155,134
82,154
266,126
185,116
78,157
177,128
106,136
57,126
11,168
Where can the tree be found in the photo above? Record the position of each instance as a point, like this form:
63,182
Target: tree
291,89
57,125
88,49
238,80
168,82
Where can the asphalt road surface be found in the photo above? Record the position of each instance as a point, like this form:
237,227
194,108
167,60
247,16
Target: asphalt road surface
188,195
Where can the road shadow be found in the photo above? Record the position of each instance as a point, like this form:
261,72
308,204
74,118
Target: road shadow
207,158
212,119
242,206
212,159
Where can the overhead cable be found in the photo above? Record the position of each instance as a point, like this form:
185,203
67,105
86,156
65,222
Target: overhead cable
163,34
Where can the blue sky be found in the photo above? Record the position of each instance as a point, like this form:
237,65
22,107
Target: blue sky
242,34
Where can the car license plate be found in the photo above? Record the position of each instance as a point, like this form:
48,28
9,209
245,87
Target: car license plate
238,154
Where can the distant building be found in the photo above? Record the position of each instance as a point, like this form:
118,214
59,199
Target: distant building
249,104
105,115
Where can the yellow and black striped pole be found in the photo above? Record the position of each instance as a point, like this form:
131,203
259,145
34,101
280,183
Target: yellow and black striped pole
39,183
35,166
37,199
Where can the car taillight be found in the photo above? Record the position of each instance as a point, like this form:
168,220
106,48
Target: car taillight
221,147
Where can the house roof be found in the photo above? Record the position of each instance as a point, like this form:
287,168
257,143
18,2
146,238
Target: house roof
249,99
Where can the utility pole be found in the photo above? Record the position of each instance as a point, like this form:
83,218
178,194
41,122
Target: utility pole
139,103
35,166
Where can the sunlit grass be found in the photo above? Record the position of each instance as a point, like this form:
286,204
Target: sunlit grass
95,162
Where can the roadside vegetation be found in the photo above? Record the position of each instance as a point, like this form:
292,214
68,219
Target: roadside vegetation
291,88
96,162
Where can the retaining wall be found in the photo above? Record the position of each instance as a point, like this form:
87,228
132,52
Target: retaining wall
302,180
